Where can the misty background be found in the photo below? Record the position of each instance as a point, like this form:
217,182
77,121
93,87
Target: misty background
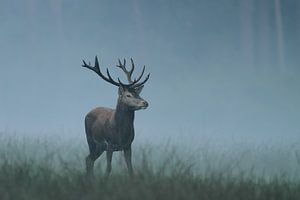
220,70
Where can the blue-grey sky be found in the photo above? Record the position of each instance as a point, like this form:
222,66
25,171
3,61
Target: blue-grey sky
220,69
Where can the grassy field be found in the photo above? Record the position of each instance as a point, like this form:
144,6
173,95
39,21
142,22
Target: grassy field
42,169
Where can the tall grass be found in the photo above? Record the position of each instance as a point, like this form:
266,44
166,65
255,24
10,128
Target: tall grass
44,169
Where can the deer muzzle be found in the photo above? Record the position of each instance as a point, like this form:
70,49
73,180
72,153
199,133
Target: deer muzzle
144,104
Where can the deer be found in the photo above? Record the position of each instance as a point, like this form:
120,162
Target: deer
109,129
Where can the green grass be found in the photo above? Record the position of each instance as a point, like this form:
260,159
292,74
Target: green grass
43,169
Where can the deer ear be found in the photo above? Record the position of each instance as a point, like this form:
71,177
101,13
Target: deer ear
139,89
121,90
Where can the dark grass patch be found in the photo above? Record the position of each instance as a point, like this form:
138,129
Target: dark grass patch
43,170
22,182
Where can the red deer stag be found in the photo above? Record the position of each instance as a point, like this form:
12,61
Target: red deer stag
112,129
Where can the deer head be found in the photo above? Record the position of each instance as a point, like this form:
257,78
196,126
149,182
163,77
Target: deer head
129,94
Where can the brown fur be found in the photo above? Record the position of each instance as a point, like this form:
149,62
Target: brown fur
112,130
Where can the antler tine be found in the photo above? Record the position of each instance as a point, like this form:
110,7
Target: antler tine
96,69
143,82
133,83
139,78
132,66
90,67
128,73
110,78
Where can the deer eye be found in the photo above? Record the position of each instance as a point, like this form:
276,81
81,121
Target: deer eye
128,95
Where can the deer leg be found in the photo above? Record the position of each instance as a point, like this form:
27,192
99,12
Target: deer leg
89,161
95,152
127,155
109,154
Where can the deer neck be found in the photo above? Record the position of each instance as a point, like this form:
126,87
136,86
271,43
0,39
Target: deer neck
123,116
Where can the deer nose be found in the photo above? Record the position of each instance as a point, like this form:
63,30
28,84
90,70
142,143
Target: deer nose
145,104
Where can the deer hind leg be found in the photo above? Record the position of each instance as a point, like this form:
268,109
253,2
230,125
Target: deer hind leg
95,151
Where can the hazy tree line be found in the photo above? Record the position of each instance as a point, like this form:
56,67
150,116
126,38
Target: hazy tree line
270,32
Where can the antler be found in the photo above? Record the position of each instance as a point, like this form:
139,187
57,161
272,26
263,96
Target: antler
96,69
132,83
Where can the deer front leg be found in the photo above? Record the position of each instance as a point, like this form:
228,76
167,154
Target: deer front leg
127,155
109,154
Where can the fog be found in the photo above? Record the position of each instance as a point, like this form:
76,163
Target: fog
221,71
